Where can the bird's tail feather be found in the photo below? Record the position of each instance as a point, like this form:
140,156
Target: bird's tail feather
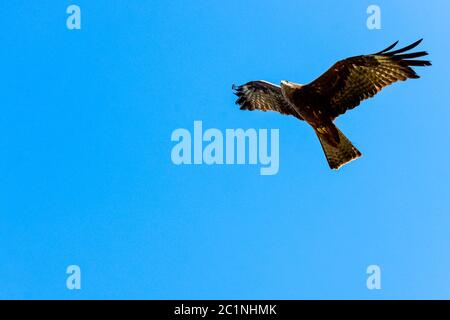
337,148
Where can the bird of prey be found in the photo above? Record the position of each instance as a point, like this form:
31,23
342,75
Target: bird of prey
342,87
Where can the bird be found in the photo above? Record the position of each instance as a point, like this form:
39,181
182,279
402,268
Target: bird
342,87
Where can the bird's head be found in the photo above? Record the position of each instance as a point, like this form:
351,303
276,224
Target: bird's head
288,87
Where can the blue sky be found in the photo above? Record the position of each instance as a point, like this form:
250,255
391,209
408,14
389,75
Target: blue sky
87,177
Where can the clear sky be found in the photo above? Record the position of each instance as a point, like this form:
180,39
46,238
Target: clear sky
87,178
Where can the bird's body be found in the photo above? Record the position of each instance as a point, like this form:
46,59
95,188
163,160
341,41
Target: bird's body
339,89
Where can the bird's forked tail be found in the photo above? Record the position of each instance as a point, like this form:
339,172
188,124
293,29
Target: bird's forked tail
337,148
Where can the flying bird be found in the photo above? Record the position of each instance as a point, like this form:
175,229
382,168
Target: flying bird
340,88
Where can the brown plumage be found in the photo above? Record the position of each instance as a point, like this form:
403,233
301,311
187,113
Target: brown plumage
340,88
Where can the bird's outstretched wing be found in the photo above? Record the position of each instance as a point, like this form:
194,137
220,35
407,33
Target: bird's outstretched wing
264,96
350,81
